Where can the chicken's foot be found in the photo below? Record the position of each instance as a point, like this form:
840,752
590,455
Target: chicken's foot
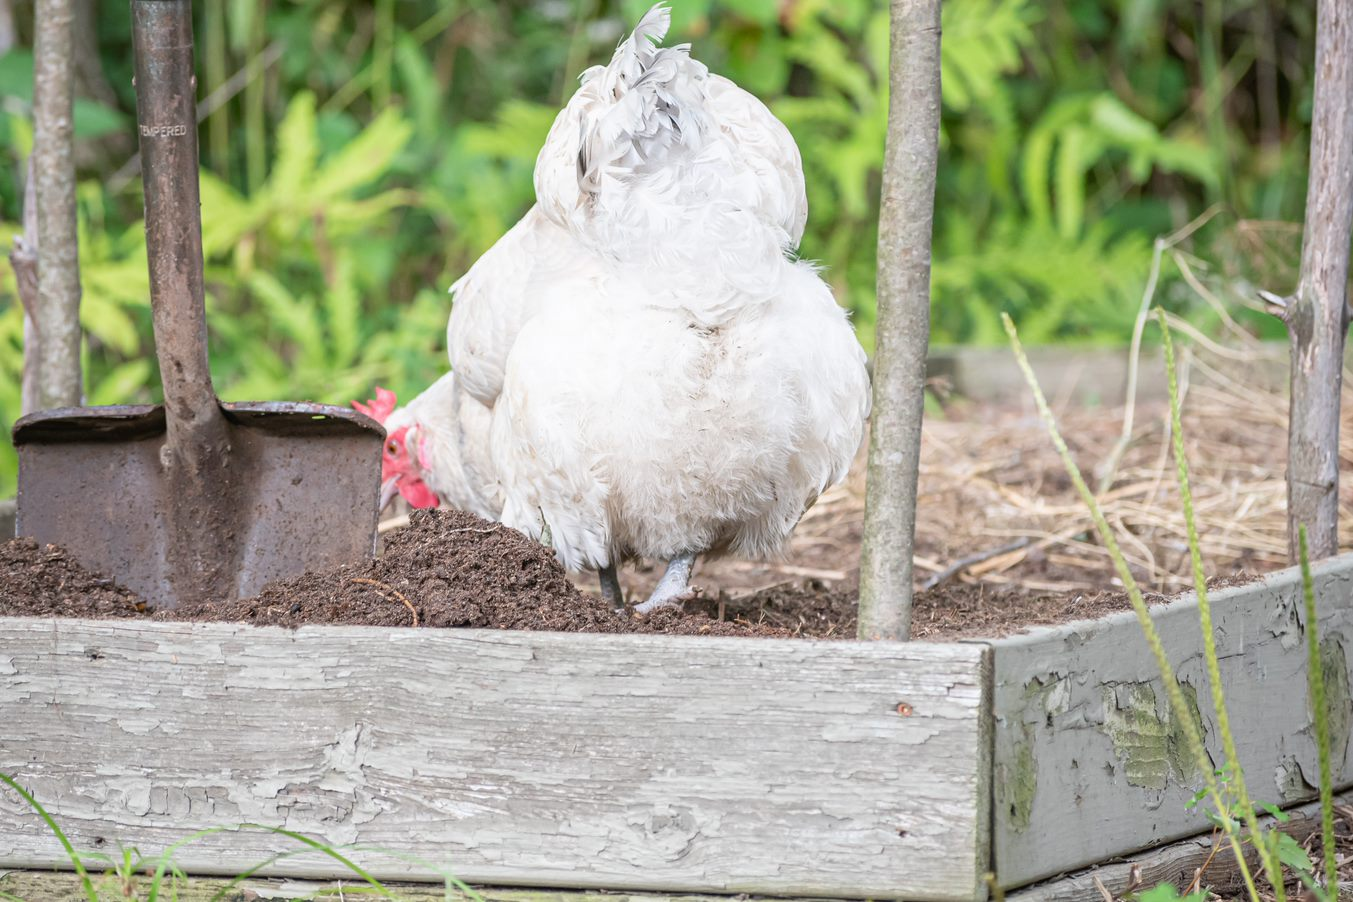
673,588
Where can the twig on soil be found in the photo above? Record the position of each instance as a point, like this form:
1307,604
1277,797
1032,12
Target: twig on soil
393,591
392,524
1200,871
1109,468
967,561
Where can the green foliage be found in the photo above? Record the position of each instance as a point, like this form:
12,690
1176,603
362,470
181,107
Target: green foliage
359,156
1168,892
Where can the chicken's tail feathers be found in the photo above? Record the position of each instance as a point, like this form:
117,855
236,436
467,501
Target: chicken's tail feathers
645,105
643,41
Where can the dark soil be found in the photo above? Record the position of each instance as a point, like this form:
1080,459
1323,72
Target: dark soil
447,569
451,569
950,611
45,582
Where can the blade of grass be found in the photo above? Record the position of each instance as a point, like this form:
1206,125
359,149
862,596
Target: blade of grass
1316,674
1271,865
450,879
74,857
1134,592
166,860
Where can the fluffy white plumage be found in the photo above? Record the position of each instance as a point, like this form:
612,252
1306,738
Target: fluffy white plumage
664,380
640,368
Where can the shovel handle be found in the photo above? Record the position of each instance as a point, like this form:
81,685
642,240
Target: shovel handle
166,117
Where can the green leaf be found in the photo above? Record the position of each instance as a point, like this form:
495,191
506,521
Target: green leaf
226,215
1112,117
420,86
1274,811
762,12
94,120
106,320
122,384
365,159
344,308
1070,170
297,151
295,318
16,75
1292,855
1168,892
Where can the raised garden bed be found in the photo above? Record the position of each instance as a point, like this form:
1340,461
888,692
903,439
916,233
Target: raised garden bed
653,762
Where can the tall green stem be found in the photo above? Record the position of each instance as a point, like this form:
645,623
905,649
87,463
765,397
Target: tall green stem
1173,691
1228,743
1315,673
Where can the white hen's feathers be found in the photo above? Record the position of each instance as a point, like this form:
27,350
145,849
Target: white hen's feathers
673,438
663,378
657,164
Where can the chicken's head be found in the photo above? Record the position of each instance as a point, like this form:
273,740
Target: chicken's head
402,466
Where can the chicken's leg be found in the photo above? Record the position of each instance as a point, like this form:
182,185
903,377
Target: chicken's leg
673,588
611,593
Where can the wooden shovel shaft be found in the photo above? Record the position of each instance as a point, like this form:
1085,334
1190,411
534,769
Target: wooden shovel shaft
167,126
197,447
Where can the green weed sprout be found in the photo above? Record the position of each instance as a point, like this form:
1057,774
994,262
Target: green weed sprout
1247,812
1172,688
1316,675
85,883
130,863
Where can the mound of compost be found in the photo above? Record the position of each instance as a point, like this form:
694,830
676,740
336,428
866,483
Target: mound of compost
452,569
446,569
44,581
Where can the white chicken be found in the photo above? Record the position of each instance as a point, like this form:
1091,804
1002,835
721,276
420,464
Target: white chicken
665,381
639,368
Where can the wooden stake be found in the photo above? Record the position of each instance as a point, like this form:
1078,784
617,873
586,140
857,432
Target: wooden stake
1317,316
906,218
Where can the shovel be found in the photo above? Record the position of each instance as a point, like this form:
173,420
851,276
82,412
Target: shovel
195,499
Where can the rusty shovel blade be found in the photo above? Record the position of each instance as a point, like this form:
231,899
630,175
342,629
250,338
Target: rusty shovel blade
193,500
300,491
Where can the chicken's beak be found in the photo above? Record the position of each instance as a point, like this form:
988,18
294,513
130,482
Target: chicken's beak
389,488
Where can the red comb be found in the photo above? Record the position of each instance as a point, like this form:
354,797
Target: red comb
380,408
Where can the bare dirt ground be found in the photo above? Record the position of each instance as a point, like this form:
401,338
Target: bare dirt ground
1002,539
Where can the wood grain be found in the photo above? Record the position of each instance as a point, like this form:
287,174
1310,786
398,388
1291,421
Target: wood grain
621,762
1176,863
1088,764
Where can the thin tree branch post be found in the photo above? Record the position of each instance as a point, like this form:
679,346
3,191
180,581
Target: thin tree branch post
56,313
1317,316
903,326
24,258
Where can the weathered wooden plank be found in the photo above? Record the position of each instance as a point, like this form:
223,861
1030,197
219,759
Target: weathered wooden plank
623,762
40,886
1175,863
1089,763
